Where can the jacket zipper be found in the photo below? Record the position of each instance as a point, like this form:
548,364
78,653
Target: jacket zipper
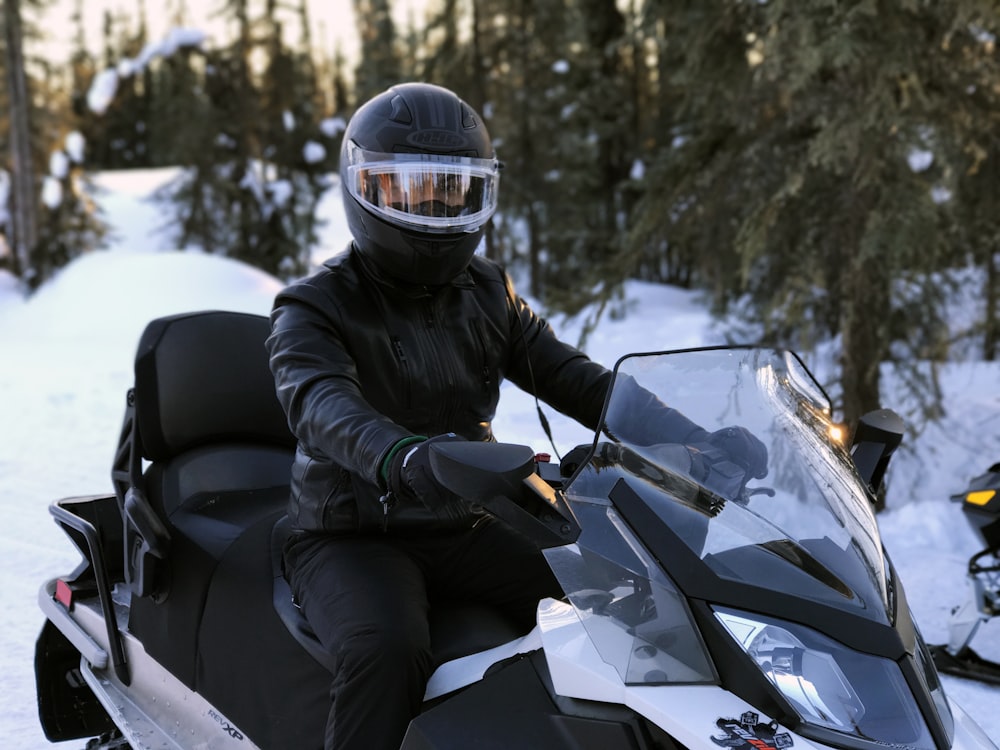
443,365
481,338
388,500
404,366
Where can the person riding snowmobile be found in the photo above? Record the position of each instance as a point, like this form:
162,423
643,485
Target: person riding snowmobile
399,342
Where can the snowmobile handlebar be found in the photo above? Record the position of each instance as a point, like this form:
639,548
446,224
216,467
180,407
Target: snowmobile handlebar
503,479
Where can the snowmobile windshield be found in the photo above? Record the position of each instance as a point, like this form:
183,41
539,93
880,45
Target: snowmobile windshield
425,192
787,559
806,529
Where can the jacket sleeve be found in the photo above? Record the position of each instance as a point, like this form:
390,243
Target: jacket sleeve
559,374
317,384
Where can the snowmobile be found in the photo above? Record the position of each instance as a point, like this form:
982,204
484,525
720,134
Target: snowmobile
700,610
980,503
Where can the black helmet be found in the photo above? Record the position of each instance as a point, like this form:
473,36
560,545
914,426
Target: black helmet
419,180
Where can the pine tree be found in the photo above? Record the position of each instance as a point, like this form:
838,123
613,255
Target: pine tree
251,190
867,110
293,181
516,42
682,228
219,208
812,145
379,66
178,108
589,156
70,222
971,175
53,220
443,56
122,139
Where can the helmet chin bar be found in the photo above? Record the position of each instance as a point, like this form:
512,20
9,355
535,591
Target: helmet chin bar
408,256
440,246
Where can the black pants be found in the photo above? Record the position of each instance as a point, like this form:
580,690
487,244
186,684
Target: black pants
367,598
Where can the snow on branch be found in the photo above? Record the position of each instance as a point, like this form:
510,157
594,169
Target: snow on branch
105,84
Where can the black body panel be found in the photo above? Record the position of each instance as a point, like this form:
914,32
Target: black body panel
67,708
514,707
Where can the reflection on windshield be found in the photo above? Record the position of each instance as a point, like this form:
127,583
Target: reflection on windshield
808,518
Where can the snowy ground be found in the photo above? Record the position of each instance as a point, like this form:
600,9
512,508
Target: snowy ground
65,364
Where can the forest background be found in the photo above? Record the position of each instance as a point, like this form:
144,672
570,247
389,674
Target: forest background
827,171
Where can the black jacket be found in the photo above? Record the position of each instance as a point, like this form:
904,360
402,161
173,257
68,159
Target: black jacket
361,362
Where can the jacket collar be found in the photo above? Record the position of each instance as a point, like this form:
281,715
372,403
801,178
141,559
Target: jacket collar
372,271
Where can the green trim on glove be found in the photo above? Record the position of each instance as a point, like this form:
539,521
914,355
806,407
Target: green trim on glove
383,471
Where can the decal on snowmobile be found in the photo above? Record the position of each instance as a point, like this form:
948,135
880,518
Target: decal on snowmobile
228,728
749,732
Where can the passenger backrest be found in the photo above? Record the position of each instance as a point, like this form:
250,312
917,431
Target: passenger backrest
202,379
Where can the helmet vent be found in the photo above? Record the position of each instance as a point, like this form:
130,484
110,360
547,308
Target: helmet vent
468,117
400,112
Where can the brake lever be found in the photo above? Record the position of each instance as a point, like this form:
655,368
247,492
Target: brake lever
744,497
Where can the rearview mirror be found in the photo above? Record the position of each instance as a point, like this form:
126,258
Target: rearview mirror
876,438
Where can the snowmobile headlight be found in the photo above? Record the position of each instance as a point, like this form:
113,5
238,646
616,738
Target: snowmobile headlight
830,686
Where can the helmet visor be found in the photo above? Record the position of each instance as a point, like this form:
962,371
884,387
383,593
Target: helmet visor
425,192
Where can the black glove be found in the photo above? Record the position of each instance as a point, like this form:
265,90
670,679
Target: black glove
742,448
727,459
410,475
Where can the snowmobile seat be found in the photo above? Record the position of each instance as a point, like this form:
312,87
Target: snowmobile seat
217,451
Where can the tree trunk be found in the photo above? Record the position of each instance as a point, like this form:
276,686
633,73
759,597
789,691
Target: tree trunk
991,284
25,205
991,337
477,99
866,310
865,344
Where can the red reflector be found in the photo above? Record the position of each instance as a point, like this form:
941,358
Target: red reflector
64,594
542,458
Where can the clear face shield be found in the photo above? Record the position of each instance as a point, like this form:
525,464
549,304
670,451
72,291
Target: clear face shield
424,192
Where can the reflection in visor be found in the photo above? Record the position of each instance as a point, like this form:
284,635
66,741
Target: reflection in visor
430,195
423,192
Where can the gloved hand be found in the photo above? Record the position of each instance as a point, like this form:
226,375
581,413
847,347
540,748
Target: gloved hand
727,459
410,476
743,448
